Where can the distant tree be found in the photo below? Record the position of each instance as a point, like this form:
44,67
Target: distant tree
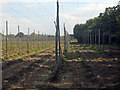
20,35
105,27
32,34
1,34
119,3
12,35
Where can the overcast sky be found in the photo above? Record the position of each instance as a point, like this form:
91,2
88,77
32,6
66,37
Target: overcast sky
41,14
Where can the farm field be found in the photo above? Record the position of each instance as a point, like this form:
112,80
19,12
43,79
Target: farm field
60,45
81,68
16,49
17,72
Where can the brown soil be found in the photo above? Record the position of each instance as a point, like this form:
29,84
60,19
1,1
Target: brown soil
30,72
82,69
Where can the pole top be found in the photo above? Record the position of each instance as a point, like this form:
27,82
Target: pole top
64,24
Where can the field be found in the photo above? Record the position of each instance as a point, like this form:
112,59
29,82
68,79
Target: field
71,45
82,66
16,48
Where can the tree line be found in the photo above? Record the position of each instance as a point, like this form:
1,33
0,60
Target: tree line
104,29
33,36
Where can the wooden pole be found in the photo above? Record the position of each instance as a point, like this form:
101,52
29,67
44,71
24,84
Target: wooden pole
6,38
28,40
103,41
42,40
3,40
99,39
58,27
38,40
10,41
95,37
48,40
109,40
56,38
34,38
56,48
64,39
19,39
99,36
90,37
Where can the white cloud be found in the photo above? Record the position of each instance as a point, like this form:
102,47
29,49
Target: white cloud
91,10
4,4
23,23
80,15
25,20
69,20
29,5
55,0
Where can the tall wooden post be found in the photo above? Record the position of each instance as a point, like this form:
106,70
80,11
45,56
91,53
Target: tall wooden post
6,37
65,49
42,40
28,40
58,27
57,36
19,39
90,37
103,41
38,40
99,37
95,37
56,48
34,39
109,40
3,40
9,37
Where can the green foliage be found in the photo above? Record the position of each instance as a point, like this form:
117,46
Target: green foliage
98,58
84,48
19,53
109,20
63,55
23,59
80,58
34,55
16,54
77,54
69,69
20,34
2,60
67,56
28,51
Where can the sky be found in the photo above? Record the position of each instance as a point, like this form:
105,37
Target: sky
39,15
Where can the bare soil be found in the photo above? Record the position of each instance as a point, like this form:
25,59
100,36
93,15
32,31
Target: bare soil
80,69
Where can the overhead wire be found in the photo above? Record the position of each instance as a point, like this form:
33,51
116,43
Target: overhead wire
31,12
91,14
65,18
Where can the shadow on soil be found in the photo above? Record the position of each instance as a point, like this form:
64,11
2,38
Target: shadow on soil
99,67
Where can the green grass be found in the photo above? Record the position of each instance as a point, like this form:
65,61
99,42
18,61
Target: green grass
69,69
13,48
23,59
5,57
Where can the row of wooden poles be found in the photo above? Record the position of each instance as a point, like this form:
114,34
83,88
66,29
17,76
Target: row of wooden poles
19,40
58,50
